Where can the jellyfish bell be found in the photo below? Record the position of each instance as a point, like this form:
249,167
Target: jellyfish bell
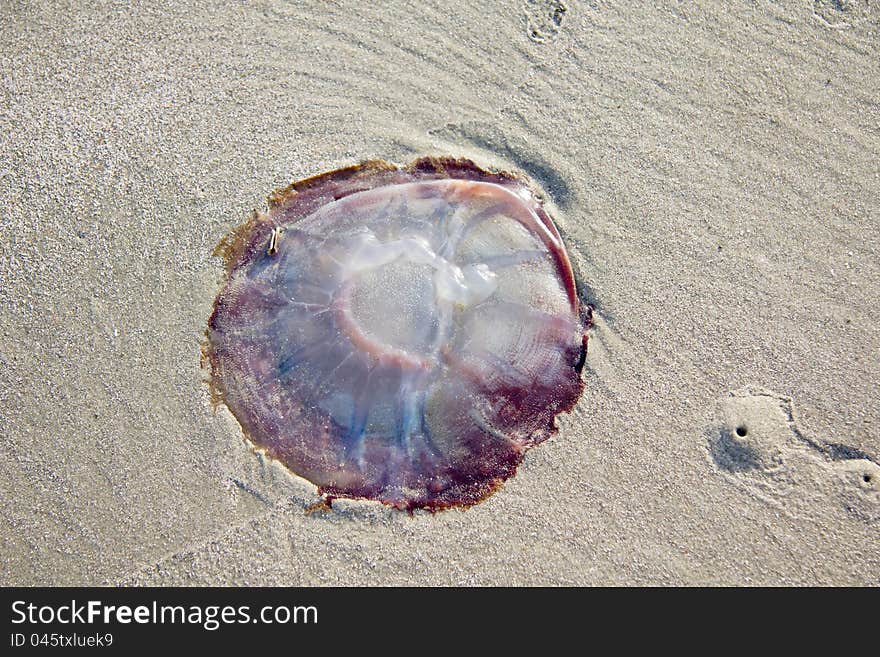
400,334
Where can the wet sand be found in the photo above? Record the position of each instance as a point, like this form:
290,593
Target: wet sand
714,171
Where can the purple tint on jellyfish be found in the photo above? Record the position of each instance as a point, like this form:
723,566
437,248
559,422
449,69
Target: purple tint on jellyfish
399,334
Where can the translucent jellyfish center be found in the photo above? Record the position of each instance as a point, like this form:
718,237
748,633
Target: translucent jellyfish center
396,295
394,305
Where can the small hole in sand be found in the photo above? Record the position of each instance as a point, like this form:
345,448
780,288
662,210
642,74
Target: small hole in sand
866,478
741,431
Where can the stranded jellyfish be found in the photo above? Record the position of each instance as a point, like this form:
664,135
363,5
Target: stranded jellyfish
399,334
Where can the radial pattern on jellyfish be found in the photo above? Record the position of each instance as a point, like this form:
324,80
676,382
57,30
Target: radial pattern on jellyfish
399,334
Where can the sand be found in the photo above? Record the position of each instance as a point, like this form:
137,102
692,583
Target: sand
715,170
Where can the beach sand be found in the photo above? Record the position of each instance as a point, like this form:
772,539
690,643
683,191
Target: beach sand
714,169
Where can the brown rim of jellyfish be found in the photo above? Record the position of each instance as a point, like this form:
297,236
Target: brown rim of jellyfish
311,193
